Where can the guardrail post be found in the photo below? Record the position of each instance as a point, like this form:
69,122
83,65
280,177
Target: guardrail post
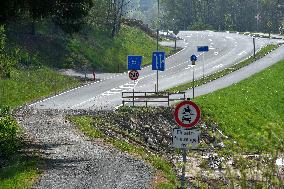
168,99
133,98
146,99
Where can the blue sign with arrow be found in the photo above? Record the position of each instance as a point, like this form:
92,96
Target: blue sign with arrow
134,62
158,61
193,58
202,49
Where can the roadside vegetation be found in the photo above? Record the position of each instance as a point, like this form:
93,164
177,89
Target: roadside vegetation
208,78
17,169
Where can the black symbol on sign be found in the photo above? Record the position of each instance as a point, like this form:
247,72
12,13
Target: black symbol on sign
187,115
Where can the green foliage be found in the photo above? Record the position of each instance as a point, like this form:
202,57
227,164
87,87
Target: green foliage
8,133
251,112
6,62
110,54
200,26
71,15
232,15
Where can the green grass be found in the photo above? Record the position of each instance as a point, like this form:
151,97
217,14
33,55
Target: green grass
110,54
18,173
27,85
226,71
86,125
251,112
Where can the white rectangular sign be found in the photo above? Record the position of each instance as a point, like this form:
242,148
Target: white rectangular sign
186,138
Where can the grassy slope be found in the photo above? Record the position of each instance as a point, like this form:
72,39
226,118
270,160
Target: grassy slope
27,85
252,111
110,53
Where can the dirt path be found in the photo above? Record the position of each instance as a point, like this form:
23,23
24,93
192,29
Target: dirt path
74,161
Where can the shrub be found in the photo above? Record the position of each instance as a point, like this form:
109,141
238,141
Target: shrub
8,133
6,62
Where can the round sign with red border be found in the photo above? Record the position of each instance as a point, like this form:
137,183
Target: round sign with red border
133,75
187,114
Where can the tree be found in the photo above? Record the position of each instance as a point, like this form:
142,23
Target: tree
71,15
6,62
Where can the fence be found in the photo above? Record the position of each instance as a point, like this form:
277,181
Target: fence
150,97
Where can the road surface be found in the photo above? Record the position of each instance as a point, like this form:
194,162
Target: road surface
225,49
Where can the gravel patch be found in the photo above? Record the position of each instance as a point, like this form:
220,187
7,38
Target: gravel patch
74,161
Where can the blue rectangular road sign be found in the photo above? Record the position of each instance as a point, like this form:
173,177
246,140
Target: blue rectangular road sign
202,49
158,61
134,62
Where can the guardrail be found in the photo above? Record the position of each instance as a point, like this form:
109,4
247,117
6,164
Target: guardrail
150,97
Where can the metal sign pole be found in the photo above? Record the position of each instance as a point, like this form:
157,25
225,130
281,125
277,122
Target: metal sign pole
203,64
158,43
183,168
133,92
254,47
193,83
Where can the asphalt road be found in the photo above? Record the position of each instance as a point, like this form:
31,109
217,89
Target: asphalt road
225,49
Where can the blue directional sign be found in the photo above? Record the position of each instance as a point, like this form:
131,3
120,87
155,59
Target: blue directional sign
134,62
193,58
202,49
158,61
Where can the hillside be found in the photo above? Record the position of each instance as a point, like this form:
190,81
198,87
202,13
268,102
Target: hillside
90,47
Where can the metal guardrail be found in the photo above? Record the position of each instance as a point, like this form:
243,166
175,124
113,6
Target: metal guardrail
150,97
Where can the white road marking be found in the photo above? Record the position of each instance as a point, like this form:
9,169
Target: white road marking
189,67
230,38
241,53
218,66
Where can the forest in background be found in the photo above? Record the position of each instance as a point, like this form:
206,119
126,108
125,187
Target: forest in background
221,15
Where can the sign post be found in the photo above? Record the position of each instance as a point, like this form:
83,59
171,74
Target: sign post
187,115
203,49
134,64
158,63
133,75
193,59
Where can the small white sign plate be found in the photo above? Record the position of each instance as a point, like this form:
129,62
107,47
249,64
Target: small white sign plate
185,138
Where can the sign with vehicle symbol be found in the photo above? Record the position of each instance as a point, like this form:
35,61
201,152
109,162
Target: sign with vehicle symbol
187,114
185,138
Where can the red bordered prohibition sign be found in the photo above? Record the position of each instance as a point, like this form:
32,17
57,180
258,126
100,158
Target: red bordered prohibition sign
187,114
133,75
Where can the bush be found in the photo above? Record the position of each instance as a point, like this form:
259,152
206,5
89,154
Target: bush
8,133
6,62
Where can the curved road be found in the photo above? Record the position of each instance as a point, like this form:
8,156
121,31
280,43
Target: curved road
225,49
